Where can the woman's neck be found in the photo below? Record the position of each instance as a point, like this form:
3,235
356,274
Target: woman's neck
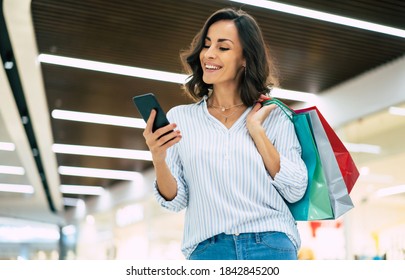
226,97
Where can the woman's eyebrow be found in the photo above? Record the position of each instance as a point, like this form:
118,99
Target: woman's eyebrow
220,40
224,40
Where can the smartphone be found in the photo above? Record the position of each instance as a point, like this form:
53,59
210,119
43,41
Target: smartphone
145,103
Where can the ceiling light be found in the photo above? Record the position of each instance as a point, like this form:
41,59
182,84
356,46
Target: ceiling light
397,111
29,234
292,95
113,68
74,202
80,189
13,170
98,118
138,73
363,148
102,152
16,188
99,173
391,191
6,146
290,9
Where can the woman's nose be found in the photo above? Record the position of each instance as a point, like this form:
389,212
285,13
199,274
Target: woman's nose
210,53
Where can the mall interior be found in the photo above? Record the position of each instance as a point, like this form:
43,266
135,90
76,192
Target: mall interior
76,177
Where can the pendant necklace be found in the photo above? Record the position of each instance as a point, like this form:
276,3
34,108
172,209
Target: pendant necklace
223,109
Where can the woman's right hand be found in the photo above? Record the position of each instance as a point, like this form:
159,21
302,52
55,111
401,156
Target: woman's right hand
157,143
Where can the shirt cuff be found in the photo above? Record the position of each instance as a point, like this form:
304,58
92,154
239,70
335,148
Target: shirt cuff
291,180
178,203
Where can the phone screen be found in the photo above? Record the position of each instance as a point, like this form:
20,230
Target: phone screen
145,103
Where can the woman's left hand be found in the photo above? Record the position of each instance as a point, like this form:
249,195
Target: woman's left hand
258,114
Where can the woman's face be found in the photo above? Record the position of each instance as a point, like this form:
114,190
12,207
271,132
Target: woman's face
222,58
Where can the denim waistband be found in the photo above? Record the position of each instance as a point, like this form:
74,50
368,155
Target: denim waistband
249,235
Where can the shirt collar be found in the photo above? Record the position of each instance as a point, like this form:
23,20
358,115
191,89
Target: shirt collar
204,99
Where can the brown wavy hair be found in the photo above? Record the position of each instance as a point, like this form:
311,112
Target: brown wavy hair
261,74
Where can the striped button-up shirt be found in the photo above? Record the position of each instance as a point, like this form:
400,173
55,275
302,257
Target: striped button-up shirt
222,181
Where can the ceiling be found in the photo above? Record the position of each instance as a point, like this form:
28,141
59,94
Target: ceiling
311,55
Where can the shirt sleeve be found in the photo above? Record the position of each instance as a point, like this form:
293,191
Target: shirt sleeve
292,179
180,201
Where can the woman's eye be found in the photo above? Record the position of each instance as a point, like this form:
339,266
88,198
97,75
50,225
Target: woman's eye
223,49
206,47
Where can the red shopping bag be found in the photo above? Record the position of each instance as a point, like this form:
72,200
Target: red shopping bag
346,164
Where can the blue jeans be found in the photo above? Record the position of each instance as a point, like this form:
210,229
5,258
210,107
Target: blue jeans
246,246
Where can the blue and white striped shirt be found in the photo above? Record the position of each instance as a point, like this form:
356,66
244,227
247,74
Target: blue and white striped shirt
222,181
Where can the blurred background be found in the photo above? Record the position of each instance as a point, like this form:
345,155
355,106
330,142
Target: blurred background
75,173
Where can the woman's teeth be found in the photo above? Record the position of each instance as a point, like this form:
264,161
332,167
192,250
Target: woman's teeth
212,67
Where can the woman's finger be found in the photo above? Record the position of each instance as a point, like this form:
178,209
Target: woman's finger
149,123
257,107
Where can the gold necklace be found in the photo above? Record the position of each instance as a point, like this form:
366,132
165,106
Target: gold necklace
226,116
223,108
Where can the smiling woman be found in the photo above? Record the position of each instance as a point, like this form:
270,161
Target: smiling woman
239,36
220,52
238,161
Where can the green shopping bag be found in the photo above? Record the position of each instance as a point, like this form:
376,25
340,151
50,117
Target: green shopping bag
315,204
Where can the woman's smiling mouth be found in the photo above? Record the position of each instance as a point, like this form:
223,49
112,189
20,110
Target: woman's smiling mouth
212,67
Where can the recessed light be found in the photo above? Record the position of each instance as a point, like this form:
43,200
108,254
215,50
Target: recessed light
81,189
98,118
100,173
290,9
6,146
146,73
102,152
17,188
13,170
397,111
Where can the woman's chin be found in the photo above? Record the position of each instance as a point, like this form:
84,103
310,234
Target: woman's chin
208,81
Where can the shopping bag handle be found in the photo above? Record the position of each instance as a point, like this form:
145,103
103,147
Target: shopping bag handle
281,105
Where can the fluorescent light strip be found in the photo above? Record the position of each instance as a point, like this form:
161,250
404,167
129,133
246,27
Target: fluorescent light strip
28,235
397,111
13,170
6,146
290,9
17,188
102,152
140,123
134,72
114,68
98,118
80,189
363,148
74,202
391,191
99,173
293,95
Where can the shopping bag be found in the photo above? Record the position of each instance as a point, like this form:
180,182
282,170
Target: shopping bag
338,193
315,204
346,163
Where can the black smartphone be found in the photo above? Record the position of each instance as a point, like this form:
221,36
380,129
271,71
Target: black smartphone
145,103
